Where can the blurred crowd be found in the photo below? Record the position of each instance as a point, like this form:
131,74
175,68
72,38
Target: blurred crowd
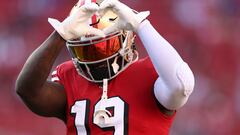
204,32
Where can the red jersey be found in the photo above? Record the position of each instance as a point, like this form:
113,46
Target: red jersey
131,101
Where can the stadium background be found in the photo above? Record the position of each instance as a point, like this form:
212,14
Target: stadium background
205,33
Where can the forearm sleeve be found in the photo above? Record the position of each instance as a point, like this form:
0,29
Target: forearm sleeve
176,80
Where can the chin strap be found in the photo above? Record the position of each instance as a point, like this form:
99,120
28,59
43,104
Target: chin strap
102,116
105,89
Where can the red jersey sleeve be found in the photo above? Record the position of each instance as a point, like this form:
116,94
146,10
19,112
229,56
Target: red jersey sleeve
55,76
61,72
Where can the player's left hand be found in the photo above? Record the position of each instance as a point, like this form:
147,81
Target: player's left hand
127,18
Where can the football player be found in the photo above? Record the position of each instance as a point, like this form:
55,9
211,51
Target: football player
105,88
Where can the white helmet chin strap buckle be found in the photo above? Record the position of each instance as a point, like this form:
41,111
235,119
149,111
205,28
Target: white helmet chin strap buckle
102,116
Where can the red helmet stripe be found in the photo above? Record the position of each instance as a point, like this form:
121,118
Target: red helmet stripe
94,20
94,17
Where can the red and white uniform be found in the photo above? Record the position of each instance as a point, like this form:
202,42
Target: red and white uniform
131,101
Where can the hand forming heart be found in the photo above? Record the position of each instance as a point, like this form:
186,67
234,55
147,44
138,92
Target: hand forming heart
77,24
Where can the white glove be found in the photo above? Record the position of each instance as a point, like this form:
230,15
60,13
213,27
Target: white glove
127,19
77,24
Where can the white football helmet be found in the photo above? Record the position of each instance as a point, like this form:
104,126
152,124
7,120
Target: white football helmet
97,58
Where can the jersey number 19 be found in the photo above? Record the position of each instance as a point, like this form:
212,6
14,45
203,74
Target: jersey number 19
119,118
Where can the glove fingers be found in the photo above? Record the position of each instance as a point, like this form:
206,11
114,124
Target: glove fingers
95,31
91,7
56,25
111,29
107,5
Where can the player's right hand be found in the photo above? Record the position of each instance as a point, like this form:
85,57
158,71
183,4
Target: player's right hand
77,24
127,18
